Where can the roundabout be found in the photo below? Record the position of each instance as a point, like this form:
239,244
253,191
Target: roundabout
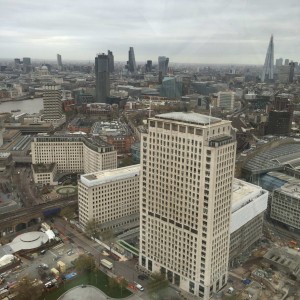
66,190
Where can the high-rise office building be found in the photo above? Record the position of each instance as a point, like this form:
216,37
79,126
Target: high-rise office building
102,77
131,64
111,63
286,73
268,69
26,64
59,62
17,63
286,62
185,200
279,62
53,105
148,66
163,63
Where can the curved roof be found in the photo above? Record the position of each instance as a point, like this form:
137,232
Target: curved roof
25,241
274,158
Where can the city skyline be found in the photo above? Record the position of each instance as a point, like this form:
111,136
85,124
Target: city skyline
216,32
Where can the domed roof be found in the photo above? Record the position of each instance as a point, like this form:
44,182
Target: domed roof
44,68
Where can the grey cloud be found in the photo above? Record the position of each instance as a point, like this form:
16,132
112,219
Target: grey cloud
190,31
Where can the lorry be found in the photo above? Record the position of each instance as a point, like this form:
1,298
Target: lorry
106,264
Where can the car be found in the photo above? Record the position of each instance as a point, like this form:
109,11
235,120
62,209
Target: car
139,286
43,252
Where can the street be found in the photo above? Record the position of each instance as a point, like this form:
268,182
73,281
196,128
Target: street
124,269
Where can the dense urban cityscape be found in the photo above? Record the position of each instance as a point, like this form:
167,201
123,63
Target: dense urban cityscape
149,179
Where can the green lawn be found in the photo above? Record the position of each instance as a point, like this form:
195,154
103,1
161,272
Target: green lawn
99,280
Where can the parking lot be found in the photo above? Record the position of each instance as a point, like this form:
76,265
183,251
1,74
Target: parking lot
65,252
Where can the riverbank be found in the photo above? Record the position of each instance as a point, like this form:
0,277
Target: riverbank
16,100
28,105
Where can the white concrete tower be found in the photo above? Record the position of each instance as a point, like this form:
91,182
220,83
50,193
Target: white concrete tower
187,162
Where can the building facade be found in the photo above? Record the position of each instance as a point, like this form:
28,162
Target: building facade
109,197
73,153
102,77
131,64
59,62
268,69
226,100
163,63
53,112
285,204
111,61
171,87
249,203
187,162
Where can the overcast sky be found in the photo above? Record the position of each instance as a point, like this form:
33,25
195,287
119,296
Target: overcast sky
195,31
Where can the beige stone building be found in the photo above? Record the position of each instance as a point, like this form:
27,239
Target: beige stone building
187,162
53,105
111,197
74,153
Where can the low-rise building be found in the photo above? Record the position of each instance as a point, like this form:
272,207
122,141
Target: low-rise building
110,197
249,203
74,153
285,204
44,173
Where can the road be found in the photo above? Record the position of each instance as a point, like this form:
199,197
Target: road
124,269
281,235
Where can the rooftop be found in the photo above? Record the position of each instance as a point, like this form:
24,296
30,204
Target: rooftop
189,117
241,191
43,168
274,158
107,176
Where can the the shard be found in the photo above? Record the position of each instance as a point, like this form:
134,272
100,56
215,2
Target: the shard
268,70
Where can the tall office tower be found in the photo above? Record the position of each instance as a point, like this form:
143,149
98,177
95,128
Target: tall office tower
59,62
286,62
163,64
286,73
292,71
148,66
17,63
131,64
53,105
268,70
279,62
185,200
111,63
102,77
26,64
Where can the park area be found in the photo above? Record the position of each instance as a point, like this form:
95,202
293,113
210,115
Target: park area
100,280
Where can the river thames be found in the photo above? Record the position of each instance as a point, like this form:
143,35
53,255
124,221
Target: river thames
26,106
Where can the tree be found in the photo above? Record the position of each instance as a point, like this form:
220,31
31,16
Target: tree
67,212
157,283
108,236
28,289
91,228
123,284
85,263
112,283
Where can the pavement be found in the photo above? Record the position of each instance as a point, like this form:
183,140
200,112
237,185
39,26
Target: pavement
126,269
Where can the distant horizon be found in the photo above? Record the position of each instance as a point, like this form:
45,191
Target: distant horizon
205,32
51,60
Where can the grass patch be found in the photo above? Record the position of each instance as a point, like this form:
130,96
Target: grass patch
98,279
